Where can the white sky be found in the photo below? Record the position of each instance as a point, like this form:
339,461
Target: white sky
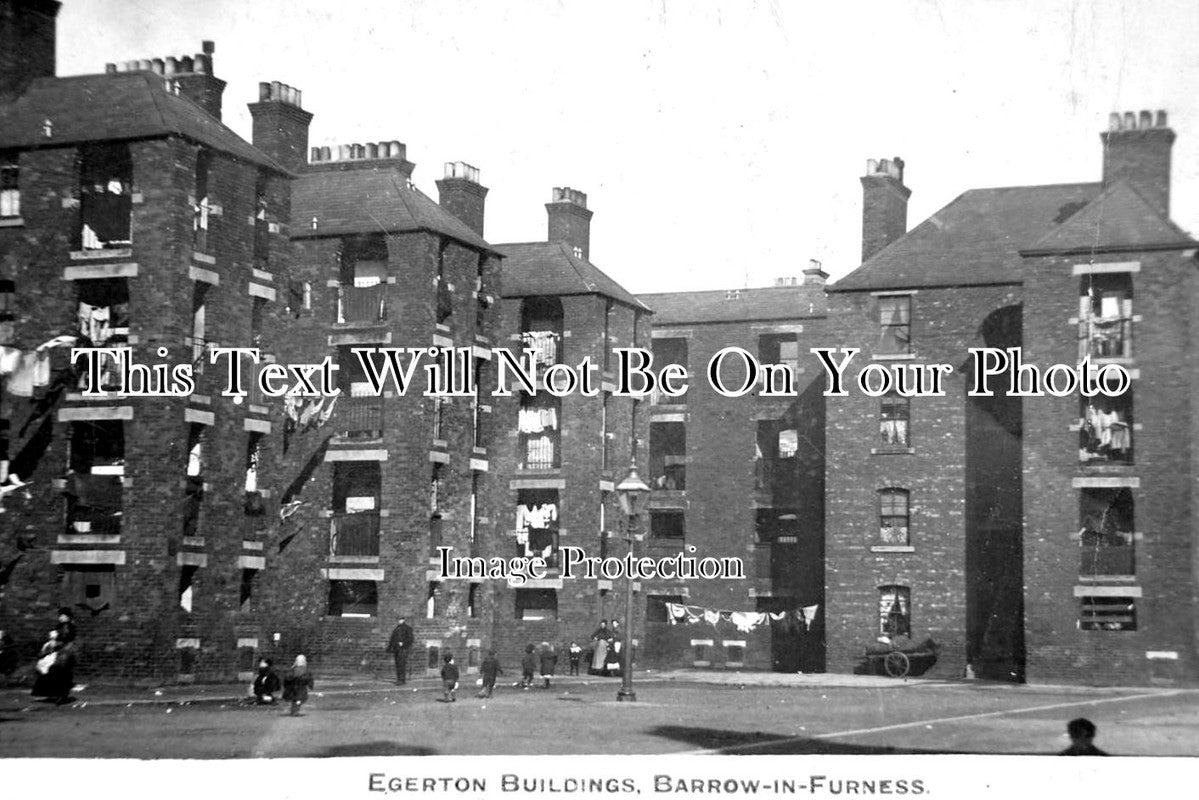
719,144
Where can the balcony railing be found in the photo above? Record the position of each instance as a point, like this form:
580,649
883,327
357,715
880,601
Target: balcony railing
354,535
359,417
361,304
539,452
1105,337
1107,560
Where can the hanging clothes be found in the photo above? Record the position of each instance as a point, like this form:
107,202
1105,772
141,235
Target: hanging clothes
809,616
746,621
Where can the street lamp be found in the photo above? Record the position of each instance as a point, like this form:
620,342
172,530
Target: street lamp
632,493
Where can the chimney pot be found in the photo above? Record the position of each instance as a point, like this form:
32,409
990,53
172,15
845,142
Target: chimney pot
171,65
264,92
314,155
1146,120
158,66
1161,119
1130,121
208,46
110,68
202,64
1113,121
186,65
326,154
372,150
144,65
276,91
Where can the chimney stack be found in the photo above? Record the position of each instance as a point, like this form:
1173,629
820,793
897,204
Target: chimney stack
281,125
814,275
884,205
569,220
461,194
201,85
1137,150
27,44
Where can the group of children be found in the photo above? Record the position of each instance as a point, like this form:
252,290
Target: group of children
534,661
295,686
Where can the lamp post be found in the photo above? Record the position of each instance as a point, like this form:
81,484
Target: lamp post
632,493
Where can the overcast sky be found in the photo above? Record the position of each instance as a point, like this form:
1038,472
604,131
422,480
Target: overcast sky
720,144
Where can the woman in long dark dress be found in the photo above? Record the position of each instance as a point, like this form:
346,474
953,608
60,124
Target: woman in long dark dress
296,685
601,640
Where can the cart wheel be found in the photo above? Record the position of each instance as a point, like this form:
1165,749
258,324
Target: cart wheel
897,665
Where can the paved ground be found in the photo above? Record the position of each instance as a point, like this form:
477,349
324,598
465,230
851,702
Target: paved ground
675,713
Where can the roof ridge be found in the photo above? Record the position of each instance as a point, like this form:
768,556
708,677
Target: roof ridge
162,119
570,259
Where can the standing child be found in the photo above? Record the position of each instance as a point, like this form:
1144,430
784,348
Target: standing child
548,661
449,678
576,653
528,665
489,669
297,684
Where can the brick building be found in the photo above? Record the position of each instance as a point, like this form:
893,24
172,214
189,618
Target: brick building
740,476
131,218
558,459
1039,538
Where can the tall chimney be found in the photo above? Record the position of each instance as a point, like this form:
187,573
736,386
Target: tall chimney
814,275
1137,150
202,86
461,194
280,125
27,34
569,220
884,205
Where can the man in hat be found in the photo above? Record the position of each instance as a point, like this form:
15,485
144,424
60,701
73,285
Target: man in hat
400,645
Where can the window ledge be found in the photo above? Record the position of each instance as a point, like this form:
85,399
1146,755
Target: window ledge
892,451
892,548
12,222
894,356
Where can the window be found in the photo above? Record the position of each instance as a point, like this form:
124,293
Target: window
436,489
538,425
354,527
536,604
439,404
893,517
257,313
541,327
481,381
202,206
434,657
895,320
609,313
105,196
894,611
1106,428
780,348
1102,613
666,525
482,300
893,418
445,293
363,280
472,602
187,581
537,524
254,505
10,186
353,598
672,350
1107,535
102,317
262,225
655,606
94,586
433,600
734,654
195,450
1105,315
246,594
199,325
668,455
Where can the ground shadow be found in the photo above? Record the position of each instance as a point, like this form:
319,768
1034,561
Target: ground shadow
374,749
739,743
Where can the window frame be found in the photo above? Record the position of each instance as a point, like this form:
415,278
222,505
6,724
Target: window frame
897,330
898,595
893,493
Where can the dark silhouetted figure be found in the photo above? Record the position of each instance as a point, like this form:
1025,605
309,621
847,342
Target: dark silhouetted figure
1082,739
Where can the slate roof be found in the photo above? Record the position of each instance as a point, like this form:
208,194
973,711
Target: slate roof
974,240
534,269
764,304
1118,219
128,105
370,199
